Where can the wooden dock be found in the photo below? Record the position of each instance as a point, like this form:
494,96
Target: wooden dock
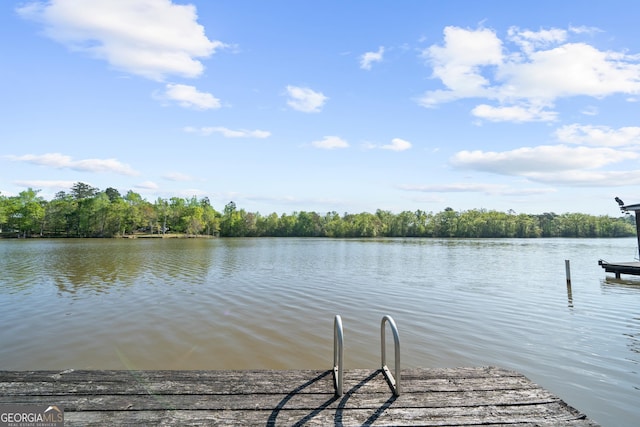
430,397
619,268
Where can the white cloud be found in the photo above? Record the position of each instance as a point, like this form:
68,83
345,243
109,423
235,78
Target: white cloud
530,40
305,100
525,81
467,187
581,178
189,192
602,136
590,111
330,142
458,63
150,38
570,70
147,185
580,164
370,57
189,97
229,133
584,30
59,161
454,188
527,191
397,144
514,113
177,176
38,184
542,159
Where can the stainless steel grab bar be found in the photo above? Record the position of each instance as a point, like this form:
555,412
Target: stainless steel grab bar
395,382
338,344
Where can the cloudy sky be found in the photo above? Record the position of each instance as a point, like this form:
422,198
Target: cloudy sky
286,106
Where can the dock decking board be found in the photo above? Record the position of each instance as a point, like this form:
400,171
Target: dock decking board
430,397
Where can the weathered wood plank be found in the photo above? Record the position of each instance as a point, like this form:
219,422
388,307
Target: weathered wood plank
320,417
465,396
238,382
75,376
306,401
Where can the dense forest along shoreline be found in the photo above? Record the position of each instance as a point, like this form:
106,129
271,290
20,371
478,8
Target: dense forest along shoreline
89,212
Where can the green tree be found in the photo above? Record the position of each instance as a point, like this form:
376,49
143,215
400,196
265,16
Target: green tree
334,225
228,225
446,223
112,194
161,207
527,226
133,215
61,214
175,215
194,217
386,219
80,191
424,224
118,217
308,224
27,212
248,223
210,217
548,224
101,208
403,224
286,225
83,194
85,211
3,211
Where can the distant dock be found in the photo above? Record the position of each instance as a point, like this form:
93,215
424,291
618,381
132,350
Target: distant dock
430,397
619,268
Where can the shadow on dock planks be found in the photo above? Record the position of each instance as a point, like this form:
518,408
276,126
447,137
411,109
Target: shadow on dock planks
430,397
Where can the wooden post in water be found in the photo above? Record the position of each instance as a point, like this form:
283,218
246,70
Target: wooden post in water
567,268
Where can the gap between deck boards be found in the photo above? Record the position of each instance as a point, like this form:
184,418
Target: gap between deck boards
456,396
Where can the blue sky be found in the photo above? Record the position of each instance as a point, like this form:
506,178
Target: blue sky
285,106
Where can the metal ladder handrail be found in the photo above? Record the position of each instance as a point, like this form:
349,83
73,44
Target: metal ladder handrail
395,382
338,345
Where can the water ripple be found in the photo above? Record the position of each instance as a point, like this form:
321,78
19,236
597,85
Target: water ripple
269,303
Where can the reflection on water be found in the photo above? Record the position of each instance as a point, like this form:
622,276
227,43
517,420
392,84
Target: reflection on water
626,282
569,295
270,303
634,339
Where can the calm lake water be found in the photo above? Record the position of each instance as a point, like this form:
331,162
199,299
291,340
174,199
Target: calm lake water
270,303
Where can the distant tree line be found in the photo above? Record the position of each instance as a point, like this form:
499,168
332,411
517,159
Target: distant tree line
86,211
